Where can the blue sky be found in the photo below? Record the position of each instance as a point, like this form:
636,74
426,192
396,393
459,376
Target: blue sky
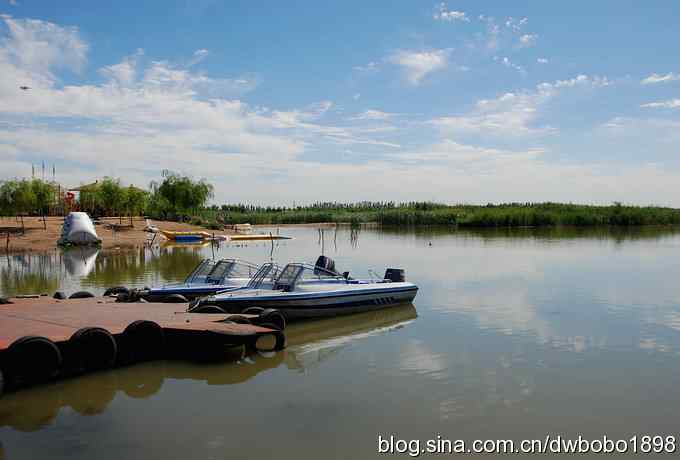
276,102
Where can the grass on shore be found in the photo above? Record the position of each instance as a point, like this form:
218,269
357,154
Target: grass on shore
502,215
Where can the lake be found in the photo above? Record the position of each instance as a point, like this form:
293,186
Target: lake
514,334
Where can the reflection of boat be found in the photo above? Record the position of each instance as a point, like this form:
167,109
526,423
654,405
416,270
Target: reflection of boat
322,333
207,278
78,229
191,244
258,237
311,291
80,261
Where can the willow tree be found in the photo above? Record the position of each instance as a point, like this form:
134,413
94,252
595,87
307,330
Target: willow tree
181,193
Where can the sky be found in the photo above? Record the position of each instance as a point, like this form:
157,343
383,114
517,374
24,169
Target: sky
305,101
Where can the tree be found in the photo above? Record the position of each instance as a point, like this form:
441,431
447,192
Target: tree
23,200
182,194
44,197
135,201
111,196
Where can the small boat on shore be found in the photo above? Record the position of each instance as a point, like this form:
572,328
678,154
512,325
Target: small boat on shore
302,290
198,236
190,237
209,277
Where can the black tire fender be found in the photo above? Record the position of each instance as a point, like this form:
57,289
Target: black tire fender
143,341
273,317
32,359
252,311
209,309
93,348
116,290
81,295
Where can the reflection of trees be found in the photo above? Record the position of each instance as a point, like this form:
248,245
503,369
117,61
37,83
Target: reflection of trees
618,234
130,266
30,274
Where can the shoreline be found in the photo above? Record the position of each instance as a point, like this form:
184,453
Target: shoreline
39,239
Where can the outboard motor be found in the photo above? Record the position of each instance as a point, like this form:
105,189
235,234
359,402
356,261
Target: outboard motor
395,275
326,263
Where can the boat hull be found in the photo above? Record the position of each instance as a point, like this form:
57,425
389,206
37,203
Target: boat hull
320,305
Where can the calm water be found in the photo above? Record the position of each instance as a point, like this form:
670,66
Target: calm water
512,335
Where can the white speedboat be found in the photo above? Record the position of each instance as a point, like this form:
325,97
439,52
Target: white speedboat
209,277
307,291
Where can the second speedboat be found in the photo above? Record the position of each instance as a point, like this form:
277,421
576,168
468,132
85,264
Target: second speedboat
308,291
208,278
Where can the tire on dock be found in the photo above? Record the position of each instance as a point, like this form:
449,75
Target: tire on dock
261,342
115,290
272,317
209,309
81,295
93,348
32,359
252,311
143,340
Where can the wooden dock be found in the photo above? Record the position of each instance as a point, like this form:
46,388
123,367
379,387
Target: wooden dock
43,338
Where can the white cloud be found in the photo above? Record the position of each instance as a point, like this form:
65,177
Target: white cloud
373,115
656,78
513,114
442,13
418,64
38,47
370,67
669,104
542,60
527,40
125,72
198,56
509,64
356,96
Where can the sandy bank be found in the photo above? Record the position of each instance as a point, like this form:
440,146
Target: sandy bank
36,238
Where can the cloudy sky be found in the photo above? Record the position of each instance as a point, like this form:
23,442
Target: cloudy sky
276,102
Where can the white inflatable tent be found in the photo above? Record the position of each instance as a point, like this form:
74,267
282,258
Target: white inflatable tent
78,229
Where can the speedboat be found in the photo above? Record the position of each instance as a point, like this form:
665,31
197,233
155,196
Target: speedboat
301,290
209,277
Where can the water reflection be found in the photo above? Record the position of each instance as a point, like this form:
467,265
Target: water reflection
519,333
80,261
309,344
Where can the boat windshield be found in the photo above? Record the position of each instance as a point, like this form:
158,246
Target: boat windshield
230,268
295,273
201,271
242,269
267,273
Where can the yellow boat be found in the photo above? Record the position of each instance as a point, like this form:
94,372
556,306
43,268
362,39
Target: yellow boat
186,236
195,236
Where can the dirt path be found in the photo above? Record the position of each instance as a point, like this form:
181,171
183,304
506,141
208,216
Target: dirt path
36,238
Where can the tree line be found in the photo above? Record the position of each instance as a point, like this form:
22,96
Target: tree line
174,197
